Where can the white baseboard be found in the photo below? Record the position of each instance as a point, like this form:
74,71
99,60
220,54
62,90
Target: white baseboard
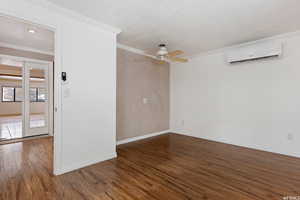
83,164
141,137
295,155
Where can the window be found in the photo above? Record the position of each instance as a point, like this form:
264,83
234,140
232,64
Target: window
41,94
8,94
37,94
33,94
15,94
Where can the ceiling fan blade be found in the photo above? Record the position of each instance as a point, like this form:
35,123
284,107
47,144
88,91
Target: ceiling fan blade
159,62
183,60
175,53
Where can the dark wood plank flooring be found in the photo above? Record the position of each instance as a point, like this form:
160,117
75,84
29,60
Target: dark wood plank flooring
166,167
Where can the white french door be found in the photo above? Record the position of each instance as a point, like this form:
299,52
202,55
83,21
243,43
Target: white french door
37,110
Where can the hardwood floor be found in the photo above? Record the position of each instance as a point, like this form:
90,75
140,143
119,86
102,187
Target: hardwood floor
165,167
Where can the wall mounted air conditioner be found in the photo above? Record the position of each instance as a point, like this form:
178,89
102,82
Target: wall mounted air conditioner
260,50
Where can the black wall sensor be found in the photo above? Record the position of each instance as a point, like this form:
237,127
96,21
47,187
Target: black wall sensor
64,76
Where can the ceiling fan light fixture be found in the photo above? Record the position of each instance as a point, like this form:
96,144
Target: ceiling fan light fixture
163,50
162,58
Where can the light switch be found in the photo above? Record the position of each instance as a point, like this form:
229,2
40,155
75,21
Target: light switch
67,92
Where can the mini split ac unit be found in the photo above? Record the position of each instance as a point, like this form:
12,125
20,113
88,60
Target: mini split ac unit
255,51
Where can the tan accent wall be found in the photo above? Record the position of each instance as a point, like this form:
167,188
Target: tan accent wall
139,77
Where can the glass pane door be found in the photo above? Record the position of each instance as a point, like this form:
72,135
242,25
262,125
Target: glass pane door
36,104
11,103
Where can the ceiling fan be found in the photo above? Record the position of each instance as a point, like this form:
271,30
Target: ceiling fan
163,55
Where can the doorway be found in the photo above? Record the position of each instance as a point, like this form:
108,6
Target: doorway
26,80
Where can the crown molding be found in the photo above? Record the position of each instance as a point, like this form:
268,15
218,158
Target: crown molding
223,50
23,48
131,49
134,50
75,15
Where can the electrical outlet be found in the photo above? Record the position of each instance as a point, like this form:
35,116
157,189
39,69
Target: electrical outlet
290,136
145,101
182,123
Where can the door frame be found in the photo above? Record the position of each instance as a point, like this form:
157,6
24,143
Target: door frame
48,67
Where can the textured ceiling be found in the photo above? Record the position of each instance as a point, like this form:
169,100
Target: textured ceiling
15,32
194,26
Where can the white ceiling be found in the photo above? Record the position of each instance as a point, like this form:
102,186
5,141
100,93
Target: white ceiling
14,33
194,26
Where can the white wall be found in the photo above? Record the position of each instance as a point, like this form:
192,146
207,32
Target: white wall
89,113
254,104
86,50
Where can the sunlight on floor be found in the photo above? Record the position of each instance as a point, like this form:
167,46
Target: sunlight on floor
11,126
